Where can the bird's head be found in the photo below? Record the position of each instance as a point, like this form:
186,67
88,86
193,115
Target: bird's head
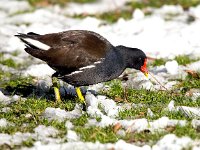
139,62
135,58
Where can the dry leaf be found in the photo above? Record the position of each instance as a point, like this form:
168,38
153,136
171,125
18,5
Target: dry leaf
117,127
194,74
170,128
118,99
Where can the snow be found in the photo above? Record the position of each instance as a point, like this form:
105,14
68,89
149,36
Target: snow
139,125
171,106
119,145
196,124
60,114
136,125
72,136
172,67
139,82
12,6
19,137
91,100
3,123
122,145
165,122
194,94
5,109
170,37
138,14
93,8
7,99
163,34
169,10
43,131
191,112
195,12
150,113
15,139
194,66
5,139
39,70
107,106
4,99
98,87
69,125
171,141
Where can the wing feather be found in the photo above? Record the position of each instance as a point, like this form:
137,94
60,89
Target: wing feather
76,49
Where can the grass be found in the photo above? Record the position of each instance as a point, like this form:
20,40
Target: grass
158,62
93,134
157,101
110,16
35,107
184,59
126,13
81,121
156,4
134,4
144,137
189,83
113,16
9,62
181,60
59,2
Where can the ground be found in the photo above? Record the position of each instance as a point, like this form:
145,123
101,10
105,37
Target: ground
130,112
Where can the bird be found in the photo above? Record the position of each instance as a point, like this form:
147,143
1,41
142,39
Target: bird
82,58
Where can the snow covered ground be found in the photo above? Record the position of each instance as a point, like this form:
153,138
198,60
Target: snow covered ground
157,36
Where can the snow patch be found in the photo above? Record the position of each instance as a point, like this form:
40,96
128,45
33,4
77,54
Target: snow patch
40,70
61,115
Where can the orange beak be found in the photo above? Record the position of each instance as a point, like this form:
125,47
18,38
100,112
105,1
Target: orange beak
144,68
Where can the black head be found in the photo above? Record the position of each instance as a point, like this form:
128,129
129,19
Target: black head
135,58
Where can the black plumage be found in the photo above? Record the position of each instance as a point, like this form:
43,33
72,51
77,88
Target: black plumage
82,57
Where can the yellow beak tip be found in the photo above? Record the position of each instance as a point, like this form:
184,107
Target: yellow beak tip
146,74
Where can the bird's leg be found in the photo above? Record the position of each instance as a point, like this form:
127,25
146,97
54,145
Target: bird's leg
56,88
81,98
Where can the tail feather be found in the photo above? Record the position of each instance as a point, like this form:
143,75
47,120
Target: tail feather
36,53
31,41
28,45
33,46
32,33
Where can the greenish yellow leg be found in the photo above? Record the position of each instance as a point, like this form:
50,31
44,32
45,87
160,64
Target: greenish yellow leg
56,89
81,98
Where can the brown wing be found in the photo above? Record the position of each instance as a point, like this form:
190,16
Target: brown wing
71,50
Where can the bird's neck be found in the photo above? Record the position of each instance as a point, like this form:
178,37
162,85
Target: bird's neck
125,54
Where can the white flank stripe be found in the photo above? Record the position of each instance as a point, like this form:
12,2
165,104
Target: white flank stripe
97,62
87,67
83,68
37,44
75,72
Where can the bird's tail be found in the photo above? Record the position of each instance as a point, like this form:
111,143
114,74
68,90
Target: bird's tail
33,46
